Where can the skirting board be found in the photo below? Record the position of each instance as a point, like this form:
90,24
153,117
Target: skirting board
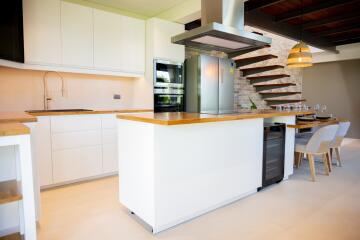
78,181
195,215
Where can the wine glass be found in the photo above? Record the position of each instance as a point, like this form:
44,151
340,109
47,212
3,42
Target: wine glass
316,107
323,108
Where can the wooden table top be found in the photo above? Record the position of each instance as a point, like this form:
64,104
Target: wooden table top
178,118
317,123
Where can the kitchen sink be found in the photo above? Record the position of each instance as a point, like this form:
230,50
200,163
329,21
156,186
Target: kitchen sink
59,110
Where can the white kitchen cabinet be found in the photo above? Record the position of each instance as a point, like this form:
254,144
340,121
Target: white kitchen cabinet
110,158
158,40
42,150
77,35
76,163
109,143
42,32
76,139
70,123
120,47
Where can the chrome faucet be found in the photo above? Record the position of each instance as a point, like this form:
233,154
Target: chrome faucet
47,98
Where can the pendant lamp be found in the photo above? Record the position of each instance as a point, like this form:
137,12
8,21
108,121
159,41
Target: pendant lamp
300,56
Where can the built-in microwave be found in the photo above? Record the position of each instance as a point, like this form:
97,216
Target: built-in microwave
168,74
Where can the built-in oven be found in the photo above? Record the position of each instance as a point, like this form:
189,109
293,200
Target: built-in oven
168,86
168,100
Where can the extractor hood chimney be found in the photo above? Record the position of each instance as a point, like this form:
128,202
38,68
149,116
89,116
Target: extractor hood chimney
222,29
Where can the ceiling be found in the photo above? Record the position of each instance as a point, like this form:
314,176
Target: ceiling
324,24
148,8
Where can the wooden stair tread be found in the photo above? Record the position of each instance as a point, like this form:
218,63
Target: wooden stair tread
285,100
244,51
10,191
14,236
275,85
272,76
262,67
240,62
254,70
278,93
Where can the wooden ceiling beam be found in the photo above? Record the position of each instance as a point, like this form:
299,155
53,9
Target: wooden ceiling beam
344,41
334,19
311,9
338,30
259,4
265,22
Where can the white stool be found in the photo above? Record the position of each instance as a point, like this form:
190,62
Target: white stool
318,144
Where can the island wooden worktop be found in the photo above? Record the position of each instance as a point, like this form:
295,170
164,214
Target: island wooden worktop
189,118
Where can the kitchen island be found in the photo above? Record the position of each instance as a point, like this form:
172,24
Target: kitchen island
176,166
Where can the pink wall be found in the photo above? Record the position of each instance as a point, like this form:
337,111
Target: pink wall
23,90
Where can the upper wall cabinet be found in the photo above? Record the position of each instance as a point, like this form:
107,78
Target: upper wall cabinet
119,42
159,33
77,35
42,32
68,37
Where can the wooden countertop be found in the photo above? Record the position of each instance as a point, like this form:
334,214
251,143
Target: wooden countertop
12,129
8,117
189,118
49,113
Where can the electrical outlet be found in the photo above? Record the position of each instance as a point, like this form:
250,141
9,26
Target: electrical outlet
117,96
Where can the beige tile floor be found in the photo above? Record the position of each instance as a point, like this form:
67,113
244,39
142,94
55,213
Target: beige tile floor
295,209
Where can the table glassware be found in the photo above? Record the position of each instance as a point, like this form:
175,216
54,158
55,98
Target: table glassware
323,108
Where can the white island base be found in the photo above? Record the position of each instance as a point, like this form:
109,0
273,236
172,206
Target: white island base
170,174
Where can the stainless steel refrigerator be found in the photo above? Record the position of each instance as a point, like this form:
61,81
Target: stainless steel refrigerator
209,85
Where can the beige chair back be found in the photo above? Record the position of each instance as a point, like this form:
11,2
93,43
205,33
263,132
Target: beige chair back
340,134
320,141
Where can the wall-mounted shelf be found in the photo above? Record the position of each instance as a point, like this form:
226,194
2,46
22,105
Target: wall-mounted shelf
10,191
250,60
14,236
254,70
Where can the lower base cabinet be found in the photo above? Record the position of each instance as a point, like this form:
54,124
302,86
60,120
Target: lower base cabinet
71,148
77,163
110,158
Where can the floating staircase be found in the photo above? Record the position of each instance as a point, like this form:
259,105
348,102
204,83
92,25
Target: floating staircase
266,90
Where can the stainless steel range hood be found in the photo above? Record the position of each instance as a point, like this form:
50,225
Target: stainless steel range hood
222,29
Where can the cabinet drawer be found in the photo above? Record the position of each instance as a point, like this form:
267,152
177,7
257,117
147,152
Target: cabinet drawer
75,139
77,163
75,123
109,136
108,121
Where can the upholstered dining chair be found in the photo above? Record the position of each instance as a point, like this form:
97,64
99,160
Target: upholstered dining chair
318,144
336,143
